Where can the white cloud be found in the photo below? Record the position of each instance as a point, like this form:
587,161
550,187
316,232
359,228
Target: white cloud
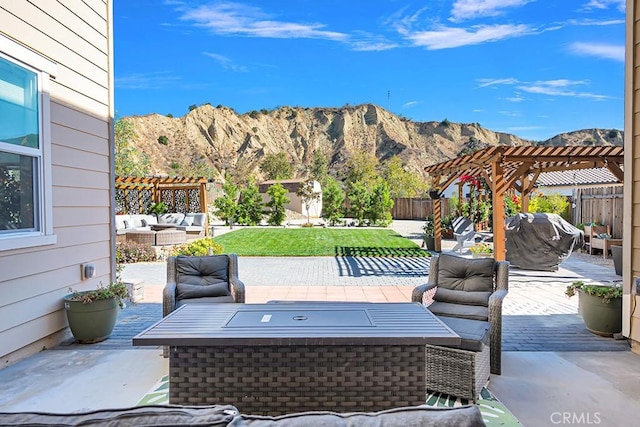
511,113
601,50
560,87
449,37
605,4
516,98
411,104
478,111
225,62
158,80
469,9
238,19
493,82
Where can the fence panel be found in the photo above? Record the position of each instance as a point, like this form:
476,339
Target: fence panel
603,205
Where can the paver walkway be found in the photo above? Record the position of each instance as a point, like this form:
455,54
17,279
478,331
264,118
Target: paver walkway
537,314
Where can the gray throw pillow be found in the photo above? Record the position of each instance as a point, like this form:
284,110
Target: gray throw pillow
462,274
202,276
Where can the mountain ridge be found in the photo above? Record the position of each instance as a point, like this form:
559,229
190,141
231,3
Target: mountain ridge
220,138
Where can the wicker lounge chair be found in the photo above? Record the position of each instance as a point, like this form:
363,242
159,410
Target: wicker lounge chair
201,279
467,295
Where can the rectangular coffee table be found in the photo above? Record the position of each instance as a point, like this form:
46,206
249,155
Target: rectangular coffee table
276,358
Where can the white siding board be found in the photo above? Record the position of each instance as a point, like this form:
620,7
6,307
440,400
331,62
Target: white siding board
70,177
73,118
32,263
64,37
14,315
74,34
23,288
79,28
70,157
82,234
71,98
95,19
77,197
27,333
75,138
50,48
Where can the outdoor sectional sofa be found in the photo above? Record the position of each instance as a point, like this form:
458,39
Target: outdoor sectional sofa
228,415
192,223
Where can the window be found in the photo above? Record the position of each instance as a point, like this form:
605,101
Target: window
25,183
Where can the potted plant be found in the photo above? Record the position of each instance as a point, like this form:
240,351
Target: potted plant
92,314
158,209
600,306
429,232
447,226
482,250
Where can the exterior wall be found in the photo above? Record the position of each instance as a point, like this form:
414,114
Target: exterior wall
631,224
77,36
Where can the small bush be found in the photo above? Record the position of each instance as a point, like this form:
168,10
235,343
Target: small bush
445,123
200,247
254,114
162,139
130,252
170,115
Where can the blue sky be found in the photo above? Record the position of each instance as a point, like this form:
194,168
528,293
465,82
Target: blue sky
533,68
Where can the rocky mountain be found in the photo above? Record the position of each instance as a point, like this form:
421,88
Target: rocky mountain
237,143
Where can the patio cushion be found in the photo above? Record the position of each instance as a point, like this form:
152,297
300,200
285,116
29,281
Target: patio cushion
464,281
202,276
465,311
204,300
465,416
474,334
152,415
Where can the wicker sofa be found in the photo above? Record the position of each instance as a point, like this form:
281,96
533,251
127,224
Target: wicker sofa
228,415
467,295
192,222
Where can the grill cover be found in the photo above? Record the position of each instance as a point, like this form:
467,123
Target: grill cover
540,241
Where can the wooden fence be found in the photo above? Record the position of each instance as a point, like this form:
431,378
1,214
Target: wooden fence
602,205
599,204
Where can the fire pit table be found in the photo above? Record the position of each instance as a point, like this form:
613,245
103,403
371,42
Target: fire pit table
278,358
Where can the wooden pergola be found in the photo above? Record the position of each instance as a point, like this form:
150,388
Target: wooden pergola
165,189
504,167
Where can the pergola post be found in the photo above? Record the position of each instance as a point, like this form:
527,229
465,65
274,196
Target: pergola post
499,187
437,224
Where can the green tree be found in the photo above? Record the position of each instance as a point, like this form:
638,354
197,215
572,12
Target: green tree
128,160
400,182
332,201
276,166
554,203
227,204
250,205
359,200
278,195
380,204
308,195
362,168
318,168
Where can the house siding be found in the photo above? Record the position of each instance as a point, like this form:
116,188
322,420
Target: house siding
77,36
631,224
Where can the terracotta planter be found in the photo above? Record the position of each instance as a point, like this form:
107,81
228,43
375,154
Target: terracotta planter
604,319
93,322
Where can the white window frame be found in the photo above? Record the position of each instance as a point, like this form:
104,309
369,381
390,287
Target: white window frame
46,69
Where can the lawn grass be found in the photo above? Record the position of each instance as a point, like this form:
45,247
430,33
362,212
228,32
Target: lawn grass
318,242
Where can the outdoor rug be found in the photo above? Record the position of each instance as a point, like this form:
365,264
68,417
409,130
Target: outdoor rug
493,411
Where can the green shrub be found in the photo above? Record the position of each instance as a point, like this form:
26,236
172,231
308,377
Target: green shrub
162,139
200,247
130,252
554,203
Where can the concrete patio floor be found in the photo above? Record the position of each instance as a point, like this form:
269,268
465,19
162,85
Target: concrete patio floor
554,372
